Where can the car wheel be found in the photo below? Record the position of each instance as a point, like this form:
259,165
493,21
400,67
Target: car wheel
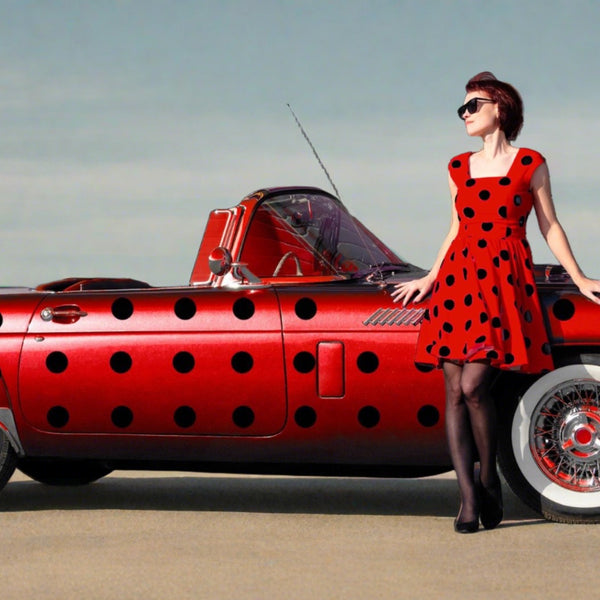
549,444
66,472
8,459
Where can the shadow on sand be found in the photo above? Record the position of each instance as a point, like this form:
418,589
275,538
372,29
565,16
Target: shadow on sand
432,496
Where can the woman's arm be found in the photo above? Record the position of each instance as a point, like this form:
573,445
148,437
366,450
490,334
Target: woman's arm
421,287
555,235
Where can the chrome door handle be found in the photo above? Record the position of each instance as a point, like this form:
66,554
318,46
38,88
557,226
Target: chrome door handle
69,313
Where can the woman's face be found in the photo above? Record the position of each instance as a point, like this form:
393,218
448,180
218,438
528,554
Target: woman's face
484,119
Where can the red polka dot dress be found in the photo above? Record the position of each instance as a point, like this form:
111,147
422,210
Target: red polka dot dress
484,304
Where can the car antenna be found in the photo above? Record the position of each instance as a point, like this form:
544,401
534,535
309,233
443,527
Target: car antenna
315,152
360,234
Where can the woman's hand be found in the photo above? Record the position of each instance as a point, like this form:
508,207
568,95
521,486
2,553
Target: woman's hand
590,288
405,291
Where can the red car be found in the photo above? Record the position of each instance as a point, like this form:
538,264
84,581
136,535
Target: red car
283,354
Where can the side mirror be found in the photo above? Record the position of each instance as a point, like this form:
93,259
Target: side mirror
219,261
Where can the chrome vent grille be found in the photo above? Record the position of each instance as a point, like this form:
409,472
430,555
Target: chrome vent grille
396,316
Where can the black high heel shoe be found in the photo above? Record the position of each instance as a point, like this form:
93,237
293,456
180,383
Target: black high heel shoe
492,508
466,526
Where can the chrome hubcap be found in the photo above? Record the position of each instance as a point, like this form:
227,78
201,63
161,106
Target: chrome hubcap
565,435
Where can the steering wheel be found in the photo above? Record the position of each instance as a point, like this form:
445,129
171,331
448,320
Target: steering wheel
282,260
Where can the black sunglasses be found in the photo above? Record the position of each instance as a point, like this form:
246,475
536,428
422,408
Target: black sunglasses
472,106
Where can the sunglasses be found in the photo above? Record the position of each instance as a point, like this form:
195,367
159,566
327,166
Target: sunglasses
472,106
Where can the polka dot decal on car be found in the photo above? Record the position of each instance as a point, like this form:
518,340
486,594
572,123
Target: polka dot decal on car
243,417
57,362
428,415
243,309
563,309
122,309
58,417
122,417
369,417
305,417
305,309
184,417
185,308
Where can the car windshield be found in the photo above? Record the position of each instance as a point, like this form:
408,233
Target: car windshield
311,234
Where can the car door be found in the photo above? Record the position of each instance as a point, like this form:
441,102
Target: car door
182,361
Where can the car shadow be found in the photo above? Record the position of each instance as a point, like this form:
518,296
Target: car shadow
432,496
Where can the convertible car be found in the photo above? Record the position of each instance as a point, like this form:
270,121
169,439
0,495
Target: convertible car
284,354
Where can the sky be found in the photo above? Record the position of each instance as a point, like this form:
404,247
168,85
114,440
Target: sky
124,122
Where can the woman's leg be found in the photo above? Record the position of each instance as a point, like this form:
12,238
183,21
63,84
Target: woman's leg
482,416
460,442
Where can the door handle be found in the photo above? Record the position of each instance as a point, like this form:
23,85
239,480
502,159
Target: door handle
66,314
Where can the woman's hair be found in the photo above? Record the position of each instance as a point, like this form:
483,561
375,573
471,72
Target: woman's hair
510,105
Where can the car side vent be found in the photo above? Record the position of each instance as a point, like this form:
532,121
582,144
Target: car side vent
396,316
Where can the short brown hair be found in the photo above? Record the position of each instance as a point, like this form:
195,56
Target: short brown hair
510,104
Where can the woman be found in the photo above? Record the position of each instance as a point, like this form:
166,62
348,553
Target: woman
484,311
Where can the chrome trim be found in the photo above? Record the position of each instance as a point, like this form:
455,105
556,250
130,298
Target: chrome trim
396,316
7,422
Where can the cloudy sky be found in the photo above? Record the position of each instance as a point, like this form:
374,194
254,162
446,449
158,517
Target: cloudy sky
124,122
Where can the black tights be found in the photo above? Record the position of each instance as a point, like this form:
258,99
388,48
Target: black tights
471,430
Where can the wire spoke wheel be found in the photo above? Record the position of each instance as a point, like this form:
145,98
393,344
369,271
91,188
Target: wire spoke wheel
565,435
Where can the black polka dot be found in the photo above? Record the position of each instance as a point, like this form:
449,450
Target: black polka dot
504,254
120,362
470,182
521,221
368,416
306,309
480,339
184,416
484,194
122,417
449,304
529,289
563,309
304,362
508,232
465,252
58,416
468,325
504,181
426,315
243,309
243,417
465,273
546,348
483,317
122,309
481,273
367,362
505,334
185,308
510,279
57,362
503,212
487,226
482,243
492,354
509,358
428,415
469,212
527,316
456,164
496,322
444,351
517,200
183,362
468,300
242,362
526,160
495,290
435,311
305,417
450,280
496,261
447,327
